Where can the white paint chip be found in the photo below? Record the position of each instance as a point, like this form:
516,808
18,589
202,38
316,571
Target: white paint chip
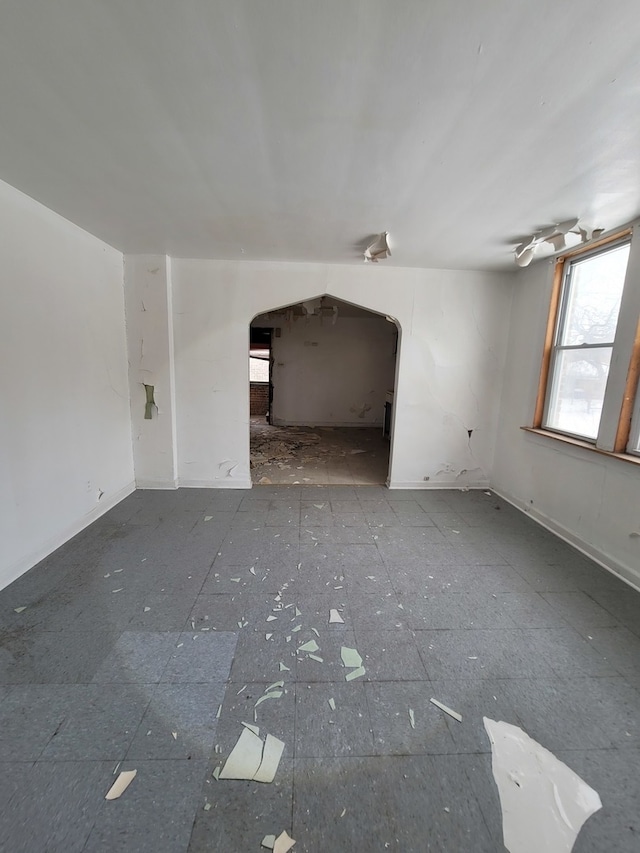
272,753
245,757
298,612
412,718
310,646
283,668
315,657
146,609
268,841
19,609
121,784
118,590
544,803
252,570
447,710
283,843
350,657
218,712
335,617
216,772
332,704
355,673
174,735
252,758
268,636
271,618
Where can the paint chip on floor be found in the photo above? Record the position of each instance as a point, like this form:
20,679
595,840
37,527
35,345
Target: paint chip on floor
310,646
19,609
283,843
544,803
447,710
332,704
335,617
355,673
350,657
121,784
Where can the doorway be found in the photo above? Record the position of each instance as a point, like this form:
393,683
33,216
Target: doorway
327,371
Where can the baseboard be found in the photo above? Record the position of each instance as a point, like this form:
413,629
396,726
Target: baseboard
227,483
27,562
329,424
421,484
625,573
156,484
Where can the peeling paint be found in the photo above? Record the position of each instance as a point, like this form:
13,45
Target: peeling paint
544,803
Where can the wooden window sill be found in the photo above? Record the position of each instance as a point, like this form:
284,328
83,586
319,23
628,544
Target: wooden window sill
576,442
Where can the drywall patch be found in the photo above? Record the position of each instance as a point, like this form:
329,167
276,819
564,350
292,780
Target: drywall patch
544,803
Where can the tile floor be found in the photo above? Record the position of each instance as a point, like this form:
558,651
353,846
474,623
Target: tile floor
130,634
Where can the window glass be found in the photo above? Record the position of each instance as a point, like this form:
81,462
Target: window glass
590,305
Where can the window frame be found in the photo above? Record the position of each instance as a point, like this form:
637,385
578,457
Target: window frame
626,405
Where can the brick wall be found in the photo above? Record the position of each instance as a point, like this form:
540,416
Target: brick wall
259,397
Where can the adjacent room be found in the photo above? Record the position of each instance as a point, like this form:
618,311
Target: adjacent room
322,411
319,426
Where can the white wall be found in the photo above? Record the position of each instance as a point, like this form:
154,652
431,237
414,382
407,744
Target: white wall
452,346
65,437
591,500
333,375
149,316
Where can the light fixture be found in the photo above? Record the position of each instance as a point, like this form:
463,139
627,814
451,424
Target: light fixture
378,250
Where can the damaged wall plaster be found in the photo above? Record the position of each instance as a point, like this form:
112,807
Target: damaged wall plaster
150,403
451,356
151,351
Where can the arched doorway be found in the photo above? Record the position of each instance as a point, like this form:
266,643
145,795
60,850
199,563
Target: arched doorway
322,385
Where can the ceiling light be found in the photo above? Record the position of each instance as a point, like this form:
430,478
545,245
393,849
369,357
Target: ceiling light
379,249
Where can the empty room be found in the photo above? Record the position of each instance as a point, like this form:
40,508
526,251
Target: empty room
320,426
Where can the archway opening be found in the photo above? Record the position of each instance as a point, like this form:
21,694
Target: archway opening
322,387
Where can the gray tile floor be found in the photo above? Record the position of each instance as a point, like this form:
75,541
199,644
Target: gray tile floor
130,641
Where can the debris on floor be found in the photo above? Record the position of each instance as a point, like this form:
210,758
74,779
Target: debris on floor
283,843
447,710
121,784
253,759
544,803
335,617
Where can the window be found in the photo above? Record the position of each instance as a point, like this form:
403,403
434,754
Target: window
585,332
591,361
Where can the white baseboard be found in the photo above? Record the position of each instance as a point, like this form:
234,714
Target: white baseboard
156,484
620,570
45,548
421,484
227,483
328,424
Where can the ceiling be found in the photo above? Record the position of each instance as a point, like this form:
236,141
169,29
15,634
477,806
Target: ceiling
296,129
